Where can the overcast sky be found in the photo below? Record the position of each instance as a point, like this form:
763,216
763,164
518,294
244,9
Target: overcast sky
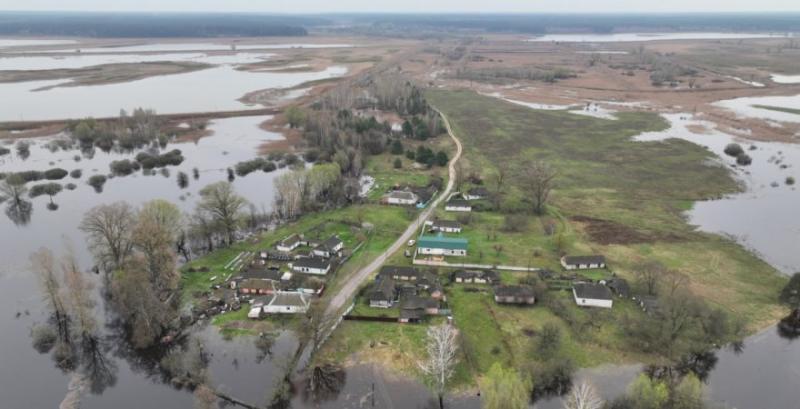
428,6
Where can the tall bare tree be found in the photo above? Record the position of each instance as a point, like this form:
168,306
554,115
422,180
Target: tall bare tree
583,396
13,189
155,236
79,299
537,178
224,205
649,275
442,345
43,265
498,181
110,231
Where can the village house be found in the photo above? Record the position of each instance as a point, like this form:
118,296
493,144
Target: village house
583,262
444,226
592,295
267,255
476,277
383,293
329,248
311,265
415,308
476,193
514,294
442,246
280,302
290,243
401,198
458,205
424,195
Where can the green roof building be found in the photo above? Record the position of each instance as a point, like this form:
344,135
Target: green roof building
442,246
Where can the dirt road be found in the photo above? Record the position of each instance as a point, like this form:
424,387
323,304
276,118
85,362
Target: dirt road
351,286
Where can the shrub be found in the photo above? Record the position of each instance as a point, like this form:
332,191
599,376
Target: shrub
183,180
30,175
55,174
744,159
76,174
43,337
70,186
789,180
97,182
398,164
4,151
397,147
246,167
515,222
311,155
124,167
269,167
150,161
50,189
734,149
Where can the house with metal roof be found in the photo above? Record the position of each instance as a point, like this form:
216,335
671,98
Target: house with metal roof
311,265
583,262
592,295
442,246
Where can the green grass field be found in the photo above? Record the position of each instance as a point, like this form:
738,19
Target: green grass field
636,190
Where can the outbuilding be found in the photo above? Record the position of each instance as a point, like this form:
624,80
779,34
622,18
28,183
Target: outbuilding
514,294
583,262
476,193
476,277
592,295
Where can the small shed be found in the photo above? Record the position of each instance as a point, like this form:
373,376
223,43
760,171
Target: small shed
514,294
458,205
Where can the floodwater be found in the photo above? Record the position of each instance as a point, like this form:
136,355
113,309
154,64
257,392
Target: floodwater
631,37
72,61
14,42
234,140
746,107
213,89
590,108
786,79
167,47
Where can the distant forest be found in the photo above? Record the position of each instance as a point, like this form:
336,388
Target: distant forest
118,25
257,25
591,23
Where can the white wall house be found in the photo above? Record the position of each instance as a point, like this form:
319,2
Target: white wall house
592,295
402,198
311,265
583,262
458,206
329,247
287,302
290,243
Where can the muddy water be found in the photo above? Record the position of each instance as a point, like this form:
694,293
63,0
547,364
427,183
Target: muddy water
746,107
167,47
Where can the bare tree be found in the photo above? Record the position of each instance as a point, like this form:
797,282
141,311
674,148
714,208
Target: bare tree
649,275
498,180
442,345
225,207
155,236
537,178
79,299
202,228
110,229
13,189
583,396
44,266
318,323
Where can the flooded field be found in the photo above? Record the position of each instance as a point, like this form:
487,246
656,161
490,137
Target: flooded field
234,140
213,89
167,47
756,107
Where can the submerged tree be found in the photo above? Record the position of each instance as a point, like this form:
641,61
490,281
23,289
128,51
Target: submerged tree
583,396
221,202
110,233
505,389
442,345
